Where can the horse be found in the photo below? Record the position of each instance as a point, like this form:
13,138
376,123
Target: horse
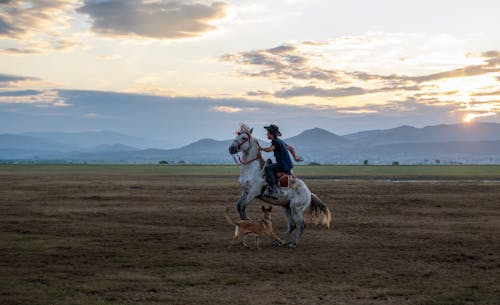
300,205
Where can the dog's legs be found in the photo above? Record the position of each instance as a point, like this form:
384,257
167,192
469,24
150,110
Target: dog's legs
243,240
237,236
276,238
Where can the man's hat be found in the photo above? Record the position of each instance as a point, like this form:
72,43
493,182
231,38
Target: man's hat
273,129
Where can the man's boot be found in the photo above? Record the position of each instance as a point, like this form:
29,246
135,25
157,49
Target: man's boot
272,191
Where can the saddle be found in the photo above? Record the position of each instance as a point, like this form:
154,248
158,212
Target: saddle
283,178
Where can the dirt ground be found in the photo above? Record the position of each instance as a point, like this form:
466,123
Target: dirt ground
161,239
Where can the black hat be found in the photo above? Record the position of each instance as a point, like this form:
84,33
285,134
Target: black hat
273,129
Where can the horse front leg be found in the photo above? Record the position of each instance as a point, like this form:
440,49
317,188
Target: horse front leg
242,203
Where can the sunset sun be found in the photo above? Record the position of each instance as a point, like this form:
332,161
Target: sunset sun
468,118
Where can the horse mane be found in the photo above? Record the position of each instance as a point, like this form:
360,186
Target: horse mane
245,128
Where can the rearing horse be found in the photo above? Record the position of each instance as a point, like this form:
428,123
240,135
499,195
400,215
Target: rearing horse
299,204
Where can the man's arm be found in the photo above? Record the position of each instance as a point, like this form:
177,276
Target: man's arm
266,149
294,155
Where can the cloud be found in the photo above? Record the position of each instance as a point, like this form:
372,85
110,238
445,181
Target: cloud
38,46
93,115
5,28
298,62
35,26
336,92
486,93
20,93
21,19
372,67
8,78
162,19
227,109
359,111
16,89
320,92
279,63
111,56
39,98
490,67
258,93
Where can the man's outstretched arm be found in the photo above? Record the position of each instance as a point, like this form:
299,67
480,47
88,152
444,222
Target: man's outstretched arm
294,155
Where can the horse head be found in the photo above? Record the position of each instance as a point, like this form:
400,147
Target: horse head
242,140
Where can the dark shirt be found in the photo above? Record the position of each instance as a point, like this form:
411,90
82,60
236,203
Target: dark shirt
281,154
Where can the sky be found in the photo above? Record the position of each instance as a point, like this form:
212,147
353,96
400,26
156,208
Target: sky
185,70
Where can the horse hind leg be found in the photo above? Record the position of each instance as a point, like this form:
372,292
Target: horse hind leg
298,218
290,222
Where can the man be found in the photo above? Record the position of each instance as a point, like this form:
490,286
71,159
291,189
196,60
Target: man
283,161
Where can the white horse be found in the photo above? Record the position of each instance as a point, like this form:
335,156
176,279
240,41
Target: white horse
300,205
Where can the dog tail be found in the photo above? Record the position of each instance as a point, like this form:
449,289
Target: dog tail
231,222
318,212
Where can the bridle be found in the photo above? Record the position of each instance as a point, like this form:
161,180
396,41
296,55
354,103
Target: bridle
249,137
240,144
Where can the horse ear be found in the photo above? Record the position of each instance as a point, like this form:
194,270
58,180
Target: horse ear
270,209
251,130
263,208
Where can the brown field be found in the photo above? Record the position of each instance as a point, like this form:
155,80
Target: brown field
116,238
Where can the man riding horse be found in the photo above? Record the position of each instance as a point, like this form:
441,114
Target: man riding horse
300,205
283,161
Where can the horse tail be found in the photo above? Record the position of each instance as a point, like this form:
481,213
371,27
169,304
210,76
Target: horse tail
318,213
231,222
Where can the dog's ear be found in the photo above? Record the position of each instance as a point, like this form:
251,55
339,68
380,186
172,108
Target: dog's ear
263,208
270,209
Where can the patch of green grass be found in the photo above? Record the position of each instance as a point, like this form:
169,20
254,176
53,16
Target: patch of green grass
34,243
205,277
364,171
461,296
403,170
22,291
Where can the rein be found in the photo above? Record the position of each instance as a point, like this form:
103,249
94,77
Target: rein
248,161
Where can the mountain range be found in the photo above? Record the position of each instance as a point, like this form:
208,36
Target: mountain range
477,143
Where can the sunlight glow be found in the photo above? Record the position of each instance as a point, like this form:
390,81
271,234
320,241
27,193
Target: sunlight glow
470,117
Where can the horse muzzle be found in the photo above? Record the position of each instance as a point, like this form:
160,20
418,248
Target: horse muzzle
233,149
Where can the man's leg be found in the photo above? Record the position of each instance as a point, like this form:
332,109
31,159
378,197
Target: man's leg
272,190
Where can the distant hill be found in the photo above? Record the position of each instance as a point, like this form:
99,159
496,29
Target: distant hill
24,142
92,139
475,143
438,133
206,145
318,137
112,148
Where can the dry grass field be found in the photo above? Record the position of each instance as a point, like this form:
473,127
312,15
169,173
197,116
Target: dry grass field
122,235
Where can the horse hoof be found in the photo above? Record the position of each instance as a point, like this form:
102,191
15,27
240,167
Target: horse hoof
291,245
276,243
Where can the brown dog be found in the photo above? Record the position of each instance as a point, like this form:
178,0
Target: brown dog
255,227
